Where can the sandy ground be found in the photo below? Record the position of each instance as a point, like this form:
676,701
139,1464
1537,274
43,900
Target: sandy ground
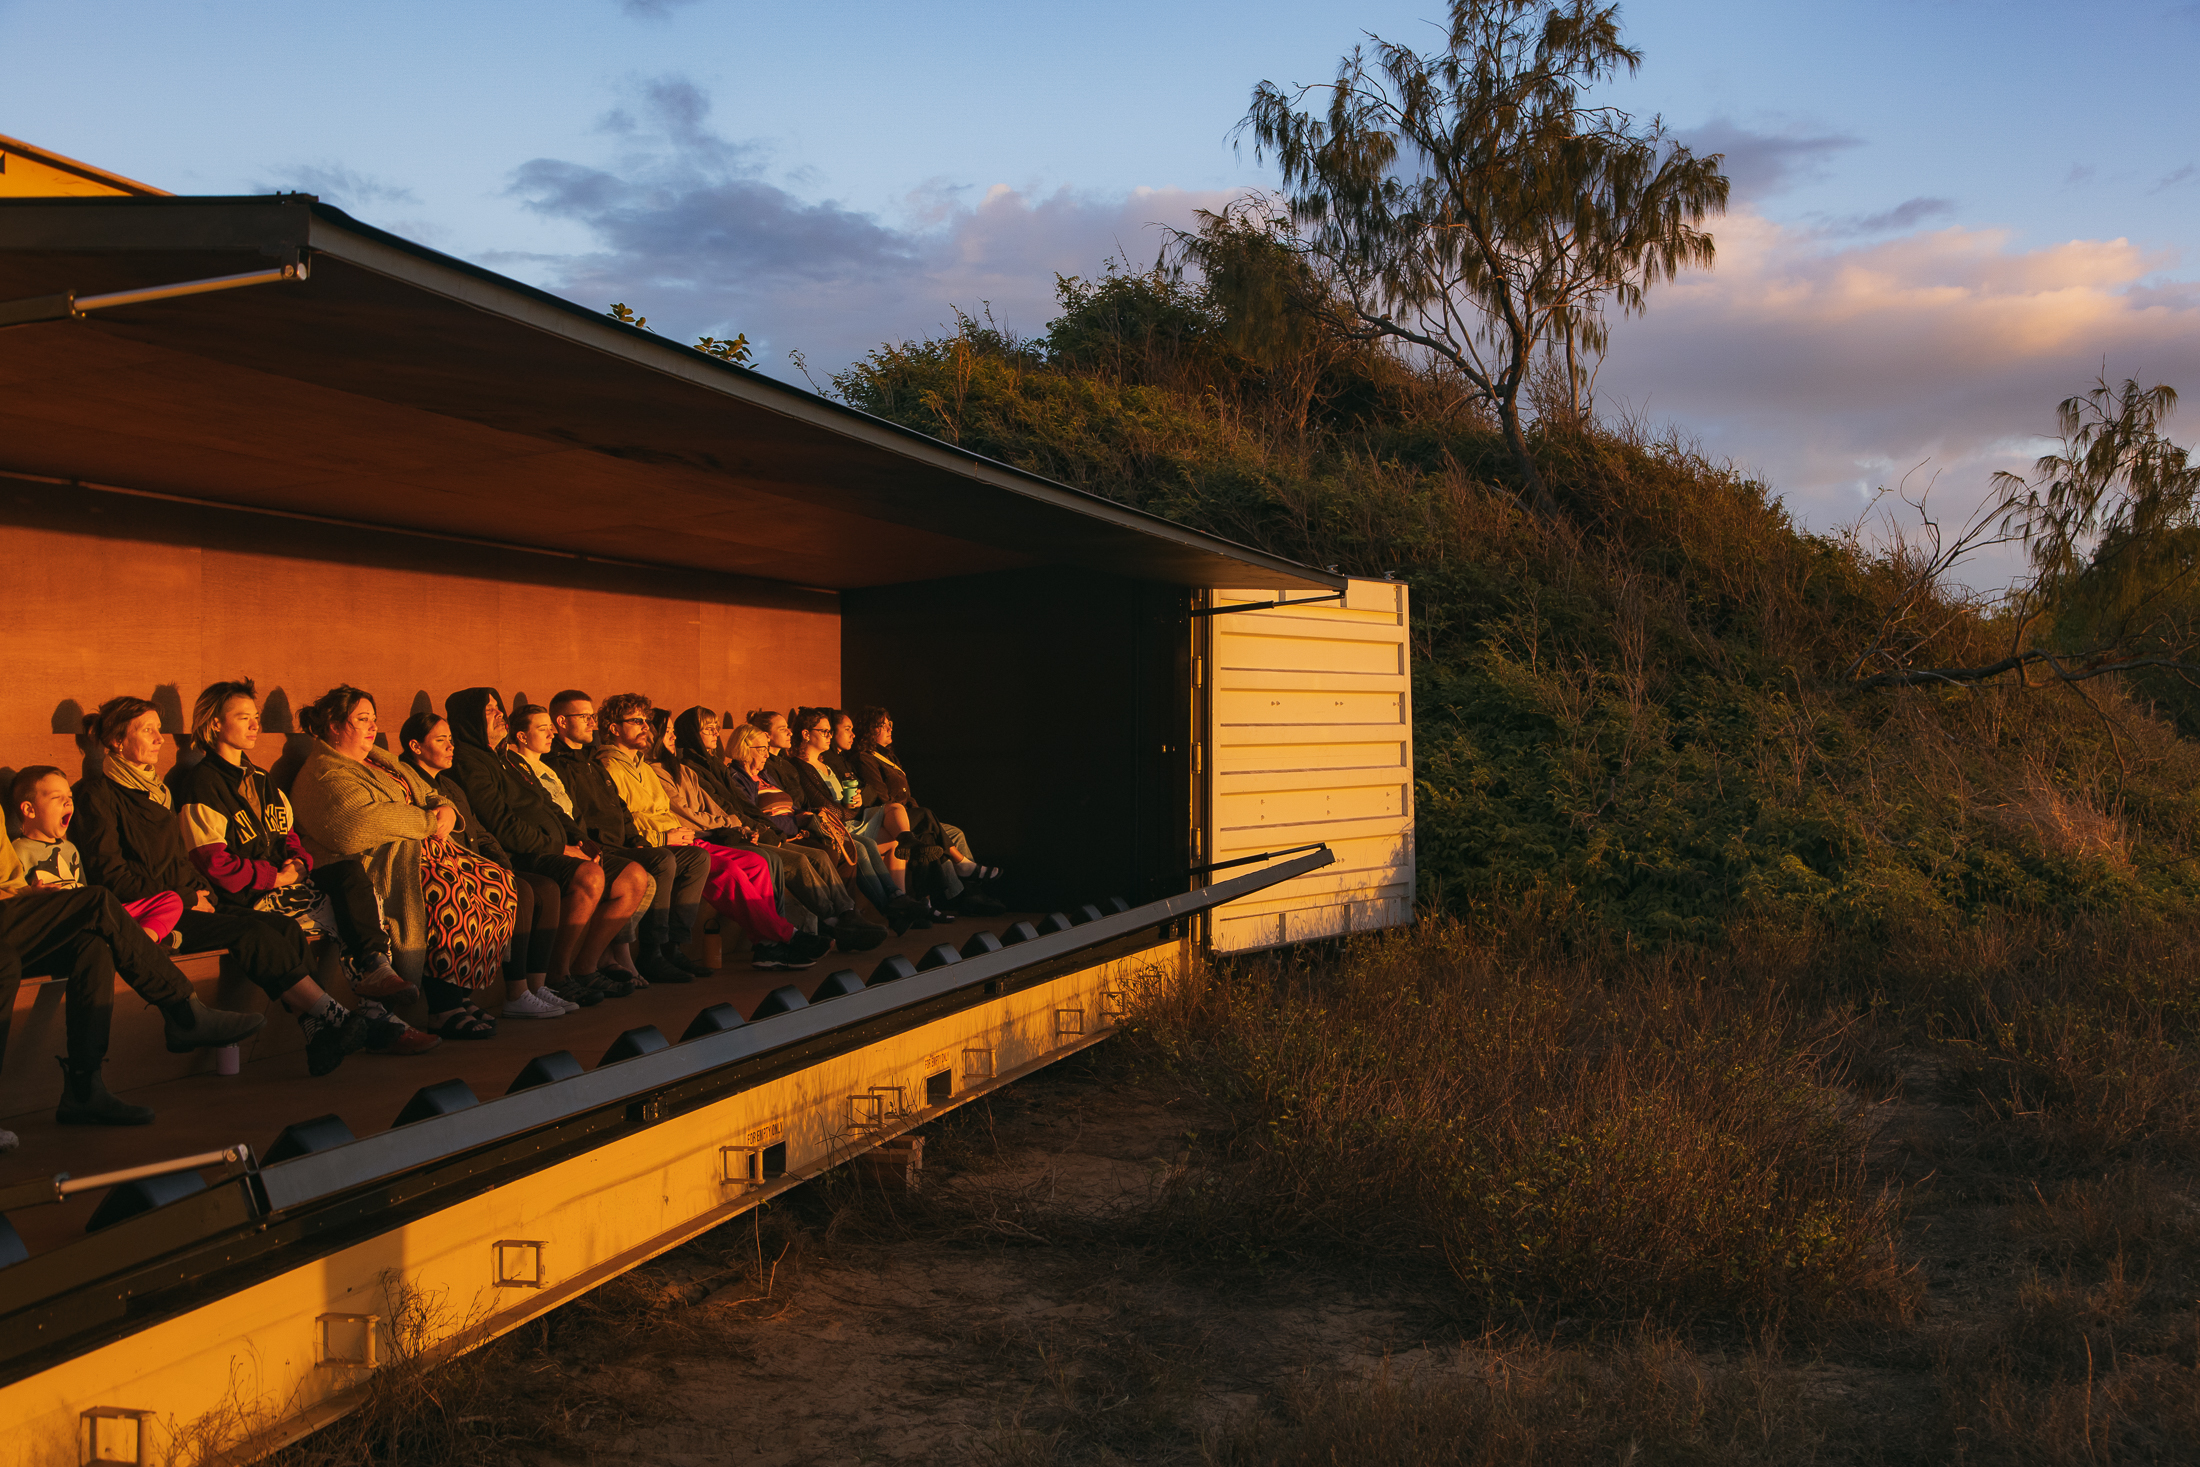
989,1319
1020,1308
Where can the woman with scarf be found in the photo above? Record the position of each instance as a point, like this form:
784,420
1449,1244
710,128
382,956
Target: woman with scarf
429,752
450,912
133,843
812,894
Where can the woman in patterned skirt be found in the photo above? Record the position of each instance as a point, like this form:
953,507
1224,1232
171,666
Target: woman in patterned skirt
450,912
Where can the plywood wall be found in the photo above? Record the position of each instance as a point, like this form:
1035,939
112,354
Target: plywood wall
1310,738
108,594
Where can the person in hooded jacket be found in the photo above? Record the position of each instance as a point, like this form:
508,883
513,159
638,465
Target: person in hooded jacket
597,896
134,844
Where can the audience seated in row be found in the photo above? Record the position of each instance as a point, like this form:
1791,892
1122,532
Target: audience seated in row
567,857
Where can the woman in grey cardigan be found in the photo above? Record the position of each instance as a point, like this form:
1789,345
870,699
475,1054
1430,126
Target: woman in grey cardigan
450,912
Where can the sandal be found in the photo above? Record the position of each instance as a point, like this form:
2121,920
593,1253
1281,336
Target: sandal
464,1022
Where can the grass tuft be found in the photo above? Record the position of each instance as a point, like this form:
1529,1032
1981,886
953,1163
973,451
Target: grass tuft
1651,1402
1564,1136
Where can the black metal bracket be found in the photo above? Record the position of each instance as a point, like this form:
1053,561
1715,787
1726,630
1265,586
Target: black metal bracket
1320,845
1266,606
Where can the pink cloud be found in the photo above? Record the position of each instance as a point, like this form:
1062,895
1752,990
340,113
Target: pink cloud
1831,372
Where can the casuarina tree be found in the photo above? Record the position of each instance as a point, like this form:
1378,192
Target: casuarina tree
1472,203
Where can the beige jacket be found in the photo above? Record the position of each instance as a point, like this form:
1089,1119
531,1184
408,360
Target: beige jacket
346,813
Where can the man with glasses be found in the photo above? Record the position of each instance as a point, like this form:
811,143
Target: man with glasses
740,887
663,927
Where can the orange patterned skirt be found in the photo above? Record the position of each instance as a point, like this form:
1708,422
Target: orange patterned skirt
472,906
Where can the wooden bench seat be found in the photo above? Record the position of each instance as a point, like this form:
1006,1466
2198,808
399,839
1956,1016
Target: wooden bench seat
137,1051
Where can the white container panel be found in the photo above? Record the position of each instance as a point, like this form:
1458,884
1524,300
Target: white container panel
1310,738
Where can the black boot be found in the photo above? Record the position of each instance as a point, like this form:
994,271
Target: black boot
85,1102
327,1044
679,959
851,935
905,912
657,967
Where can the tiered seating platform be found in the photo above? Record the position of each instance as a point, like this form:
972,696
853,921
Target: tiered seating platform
198,1110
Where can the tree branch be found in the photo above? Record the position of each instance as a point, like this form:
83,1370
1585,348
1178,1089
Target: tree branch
1920,676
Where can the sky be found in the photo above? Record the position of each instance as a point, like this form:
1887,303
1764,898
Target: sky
1948,214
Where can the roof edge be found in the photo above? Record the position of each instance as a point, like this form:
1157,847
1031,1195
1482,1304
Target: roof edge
378,250
81,169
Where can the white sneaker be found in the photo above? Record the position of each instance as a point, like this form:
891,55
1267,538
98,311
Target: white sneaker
530,1006
564,1003
9,1141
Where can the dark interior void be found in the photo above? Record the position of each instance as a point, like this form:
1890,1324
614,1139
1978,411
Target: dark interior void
1051,710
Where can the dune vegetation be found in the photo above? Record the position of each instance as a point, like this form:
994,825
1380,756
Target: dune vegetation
1755,965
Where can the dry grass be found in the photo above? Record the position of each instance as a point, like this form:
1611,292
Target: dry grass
1651,1402
2074,1041
2075,1374
1616,1207
2094,1359
1564,1135
553,1382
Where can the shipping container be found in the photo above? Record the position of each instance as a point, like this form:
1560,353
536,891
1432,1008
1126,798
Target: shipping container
254,437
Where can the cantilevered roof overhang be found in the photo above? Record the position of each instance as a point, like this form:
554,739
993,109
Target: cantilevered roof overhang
398,387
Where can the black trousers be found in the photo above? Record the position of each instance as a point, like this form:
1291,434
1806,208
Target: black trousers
358,915
267,949
681,873
535,935
85,937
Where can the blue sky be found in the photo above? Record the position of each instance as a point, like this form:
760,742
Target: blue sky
1947,211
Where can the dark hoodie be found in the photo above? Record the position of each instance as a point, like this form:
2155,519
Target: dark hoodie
597,808
510,804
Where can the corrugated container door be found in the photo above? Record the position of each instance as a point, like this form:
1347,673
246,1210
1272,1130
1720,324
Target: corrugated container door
1309,737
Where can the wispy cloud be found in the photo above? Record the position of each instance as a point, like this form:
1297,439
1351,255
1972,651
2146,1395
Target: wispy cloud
2185,174
689,226
1760,163
347,188
1829,359
652,9
1902,218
